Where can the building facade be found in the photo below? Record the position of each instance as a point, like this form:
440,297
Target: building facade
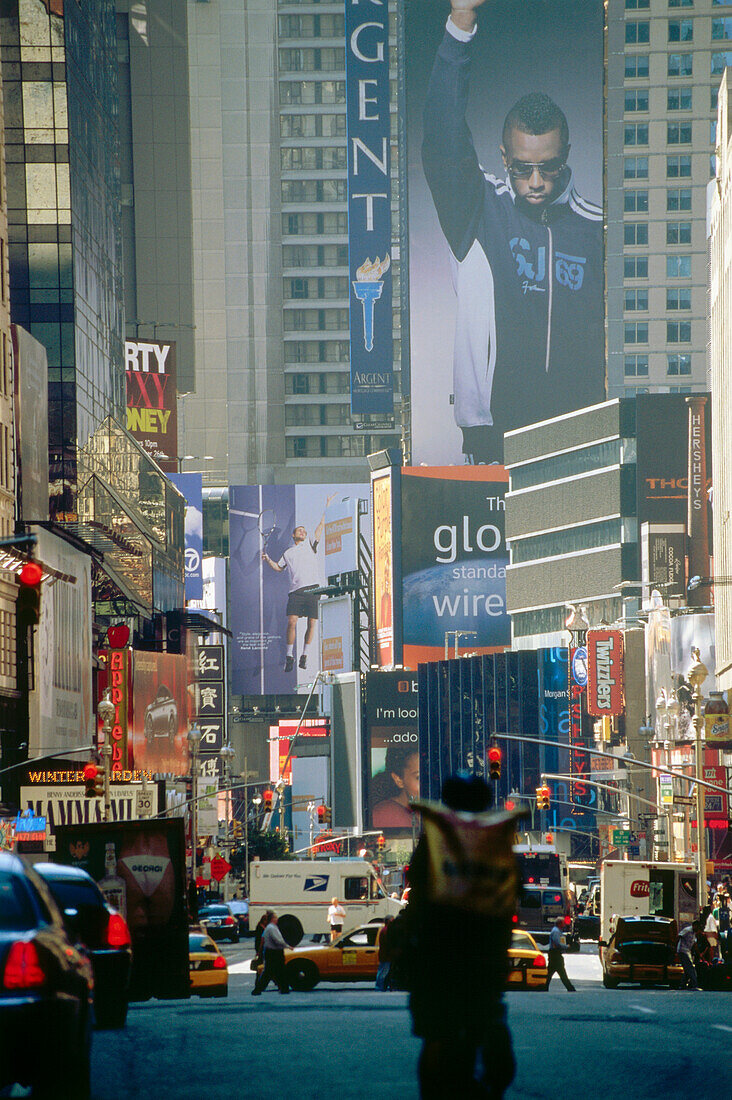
664,63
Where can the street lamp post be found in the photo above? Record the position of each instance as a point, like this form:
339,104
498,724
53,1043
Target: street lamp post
194,740
106,710
256,802
667,705
227,754
696,676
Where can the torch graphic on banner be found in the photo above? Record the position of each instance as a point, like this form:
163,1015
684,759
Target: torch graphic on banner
367,287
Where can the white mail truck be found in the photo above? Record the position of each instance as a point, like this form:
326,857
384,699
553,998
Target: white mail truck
300,893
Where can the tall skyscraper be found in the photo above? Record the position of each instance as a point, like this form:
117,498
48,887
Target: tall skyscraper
664,63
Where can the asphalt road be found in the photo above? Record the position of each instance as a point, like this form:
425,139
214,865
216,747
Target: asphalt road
353,1042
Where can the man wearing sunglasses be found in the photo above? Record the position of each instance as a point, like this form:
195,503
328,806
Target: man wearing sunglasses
527,254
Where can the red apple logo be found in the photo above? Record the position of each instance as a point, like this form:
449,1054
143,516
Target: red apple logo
118,636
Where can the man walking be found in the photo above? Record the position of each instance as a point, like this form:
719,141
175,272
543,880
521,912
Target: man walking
684,948
527,254
557,943
274,947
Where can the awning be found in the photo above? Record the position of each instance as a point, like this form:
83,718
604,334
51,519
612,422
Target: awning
198,622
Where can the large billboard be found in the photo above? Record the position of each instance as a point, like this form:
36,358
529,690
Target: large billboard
285,540
152,400
392,750
453,561
369,208
506,283
160,713
662,467
383,571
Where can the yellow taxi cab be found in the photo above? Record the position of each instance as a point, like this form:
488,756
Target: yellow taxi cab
354,957
209,972
528,965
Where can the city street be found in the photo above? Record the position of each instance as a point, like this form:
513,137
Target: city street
353,1042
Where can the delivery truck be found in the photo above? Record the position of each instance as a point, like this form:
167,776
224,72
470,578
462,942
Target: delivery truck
629,888
300,892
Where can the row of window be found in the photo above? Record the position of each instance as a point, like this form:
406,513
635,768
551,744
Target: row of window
321,320
315,255
677,133
312,60
305,225
321,287
312,126
678,166
677,267
630,5
311,26
323,351
636,366
638,32
337,446
680,98
636,233
314,190
677,198
677,297
314,159
677,332
310,416
307,92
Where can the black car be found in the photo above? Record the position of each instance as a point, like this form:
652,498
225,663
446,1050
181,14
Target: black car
102,930
219,922
46,991
240,909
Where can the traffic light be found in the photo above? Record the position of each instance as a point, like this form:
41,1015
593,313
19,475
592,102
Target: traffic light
328,815
542,798
380,843
93,780
494,762
28,603
238,831
321,814
547,797
267,797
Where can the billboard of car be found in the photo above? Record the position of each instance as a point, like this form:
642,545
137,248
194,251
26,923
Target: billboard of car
157,736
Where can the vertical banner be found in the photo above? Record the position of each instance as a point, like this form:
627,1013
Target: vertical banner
191,486
506,251
381,488
152,400
369,207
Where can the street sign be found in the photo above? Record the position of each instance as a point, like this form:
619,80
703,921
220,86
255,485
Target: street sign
144,804
621,837
666,787
219,868
684,800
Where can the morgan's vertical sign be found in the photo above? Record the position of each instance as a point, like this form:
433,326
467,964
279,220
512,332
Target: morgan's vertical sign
152,400
604,673
369,206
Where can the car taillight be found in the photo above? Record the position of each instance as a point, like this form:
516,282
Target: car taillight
229,920
118,934
539,960
23,968
514,918
219,963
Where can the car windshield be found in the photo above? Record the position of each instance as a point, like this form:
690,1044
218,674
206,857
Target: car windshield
214,911
201,943
239,906
521,940
16,910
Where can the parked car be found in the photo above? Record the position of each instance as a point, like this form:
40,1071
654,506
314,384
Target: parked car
46,991
642,950
161,717
240,909
208,967
103,932
219,921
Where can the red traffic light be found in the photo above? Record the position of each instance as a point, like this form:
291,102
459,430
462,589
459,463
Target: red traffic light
90,771
494,762
380,843
31,574
321,814
494,754
510,804
267,797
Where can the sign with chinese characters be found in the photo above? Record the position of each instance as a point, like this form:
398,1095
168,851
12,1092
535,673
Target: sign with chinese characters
605,673
369,209
210,697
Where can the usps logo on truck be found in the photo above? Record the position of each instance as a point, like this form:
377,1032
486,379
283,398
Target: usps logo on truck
315,885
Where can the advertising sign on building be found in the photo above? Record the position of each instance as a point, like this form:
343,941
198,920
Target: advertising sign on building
383,572
663,558
191,486
506,279
160,709
286,735
210,693
60,701
662,430
392,749
453,560
369,208
605,695
152,400
66,804
336,632
285,541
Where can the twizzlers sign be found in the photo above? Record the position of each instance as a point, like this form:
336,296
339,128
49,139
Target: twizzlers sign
605,696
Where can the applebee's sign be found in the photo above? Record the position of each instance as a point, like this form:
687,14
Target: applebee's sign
605,695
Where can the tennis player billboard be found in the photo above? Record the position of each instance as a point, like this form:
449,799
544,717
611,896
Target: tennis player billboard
285,541
506,255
